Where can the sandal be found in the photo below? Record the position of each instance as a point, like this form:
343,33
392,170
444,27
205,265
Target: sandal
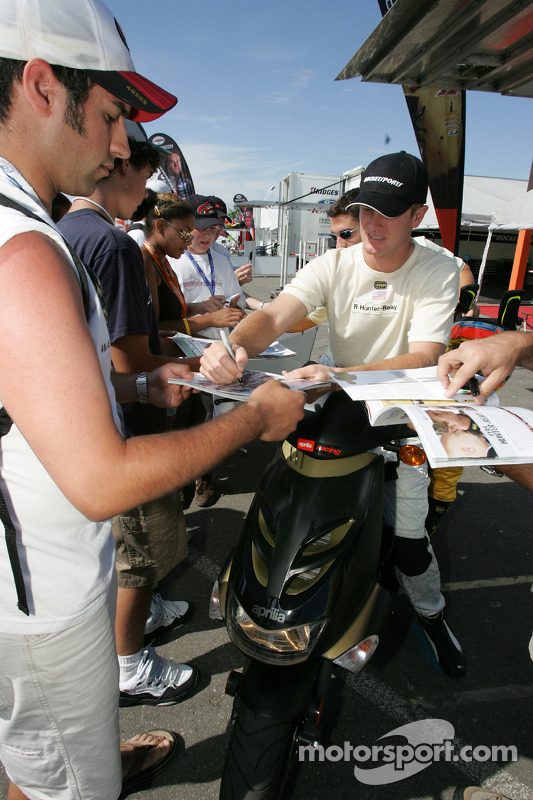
135,777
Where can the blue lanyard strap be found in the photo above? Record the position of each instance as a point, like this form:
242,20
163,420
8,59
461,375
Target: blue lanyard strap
209,283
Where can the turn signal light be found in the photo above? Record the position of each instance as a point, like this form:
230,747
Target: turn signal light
412,455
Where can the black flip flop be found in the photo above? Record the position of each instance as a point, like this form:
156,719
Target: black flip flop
139,779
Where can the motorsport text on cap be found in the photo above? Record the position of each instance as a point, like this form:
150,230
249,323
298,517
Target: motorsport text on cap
393,183
81,34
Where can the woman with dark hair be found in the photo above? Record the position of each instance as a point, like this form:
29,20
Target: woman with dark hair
168,225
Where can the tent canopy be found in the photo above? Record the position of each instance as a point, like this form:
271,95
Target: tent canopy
483,198
514,216
485,45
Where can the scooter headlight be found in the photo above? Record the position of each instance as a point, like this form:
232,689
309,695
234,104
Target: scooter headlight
291,644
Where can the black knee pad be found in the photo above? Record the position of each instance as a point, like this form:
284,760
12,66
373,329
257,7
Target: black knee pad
411,556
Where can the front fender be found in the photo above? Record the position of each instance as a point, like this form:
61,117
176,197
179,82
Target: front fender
278,692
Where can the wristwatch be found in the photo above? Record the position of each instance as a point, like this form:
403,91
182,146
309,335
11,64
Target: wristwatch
142,387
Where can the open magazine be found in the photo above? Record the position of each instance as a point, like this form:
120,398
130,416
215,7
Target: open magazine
453,432
193,346
251,379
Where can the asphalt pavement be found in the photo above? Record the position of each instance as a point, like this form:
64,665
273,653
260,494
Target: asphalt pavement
484,548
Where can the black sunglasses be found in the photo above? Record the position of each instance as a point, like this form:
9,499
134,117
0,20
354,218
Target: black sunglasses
345,234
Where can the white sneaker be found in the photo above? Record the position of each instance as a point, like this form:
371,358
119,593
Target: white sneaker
158,681
165,615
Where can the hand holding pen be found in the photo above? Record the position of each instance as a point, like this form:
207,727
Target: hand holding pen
225,342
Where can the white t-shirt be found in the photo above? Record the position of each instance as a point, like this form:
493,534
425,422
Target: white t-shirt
67,561
137,234
219,247
375,315
195,276
460,264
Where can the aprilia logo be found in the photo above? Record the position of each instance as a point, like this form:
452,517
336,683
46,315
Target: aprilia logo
306,444
269,613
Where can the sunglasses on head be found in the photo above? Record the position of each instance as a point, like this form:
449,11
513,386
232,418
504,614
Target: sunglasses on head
347,234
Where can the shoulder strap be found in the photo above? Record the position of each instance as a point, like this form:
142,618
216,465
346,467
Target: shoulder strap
7,201
10,533
6,421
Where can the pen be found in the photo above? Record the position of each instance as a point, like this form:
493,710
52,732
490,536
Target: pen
474,387
229,348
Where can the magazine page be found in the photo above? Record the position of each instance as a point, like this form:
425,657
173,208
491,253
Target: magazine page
392,412
468,435
193,346
396,384
251,379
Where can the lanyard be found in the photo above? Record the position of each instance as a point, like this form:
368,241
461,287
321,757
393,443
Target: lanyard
92,202
168,275
209,283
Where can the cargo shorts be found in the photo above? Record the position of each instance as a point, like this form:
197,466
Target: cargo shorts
150,540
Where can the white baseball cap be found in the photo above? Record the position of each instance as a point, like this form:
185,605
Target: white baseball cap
81,34
158,186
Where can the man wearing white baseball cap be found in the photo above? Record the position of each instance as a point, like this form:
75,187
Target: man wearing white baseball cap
67,84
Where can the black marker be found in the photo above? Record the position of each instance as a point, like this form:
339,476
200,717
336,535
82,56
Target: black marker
474,387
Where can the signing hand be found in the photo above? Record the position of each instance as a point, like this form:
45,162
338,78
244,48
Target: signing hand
219,367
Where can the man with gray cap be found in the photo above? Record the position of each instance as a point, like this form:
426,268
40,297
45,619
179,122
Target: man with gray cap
390,304
68,84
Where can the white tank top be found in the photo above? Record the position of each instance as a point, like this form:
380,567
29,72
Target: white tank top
67,561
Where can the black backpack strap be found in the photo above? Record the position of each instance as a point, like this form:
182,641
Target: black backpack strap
10,533
6,421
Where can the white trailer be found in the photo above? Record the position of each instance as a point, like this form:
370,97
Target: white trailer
301,229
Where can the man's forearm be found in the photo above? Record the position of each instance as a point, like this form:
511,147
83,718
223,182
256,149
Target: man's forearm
142,468
525,359
125,386
181,456
406,361
255,333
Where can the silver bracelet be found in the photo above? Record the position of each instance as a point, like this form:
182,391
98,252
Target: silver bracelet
142,387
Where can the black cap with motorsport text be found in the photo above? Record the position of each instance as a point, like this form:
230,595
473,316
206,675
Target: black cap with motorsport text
393,183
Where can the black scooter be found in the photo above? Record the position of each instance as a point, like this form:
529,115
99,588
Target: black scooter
310,584
311,581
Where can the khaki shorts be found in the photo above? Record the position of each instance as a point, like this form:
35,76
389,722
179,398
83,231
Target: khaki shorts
59,736
150,540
